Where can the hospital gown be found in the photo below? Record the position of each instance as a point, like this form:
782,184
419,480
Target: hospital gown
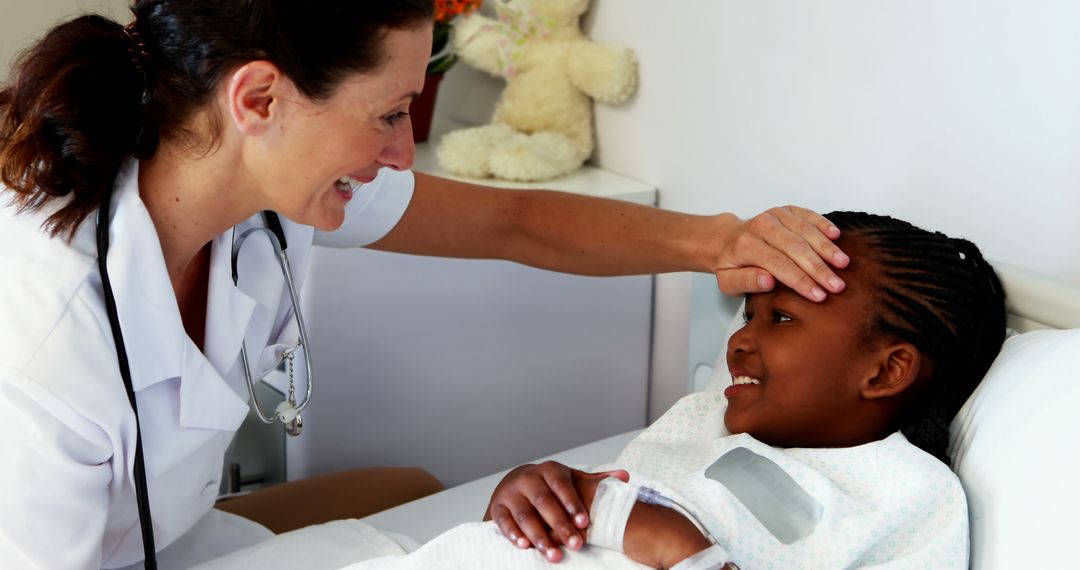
885,504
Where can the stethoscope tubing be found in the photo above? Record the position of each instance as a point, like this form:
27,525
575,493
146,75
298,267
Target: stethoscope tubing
142,498
286,270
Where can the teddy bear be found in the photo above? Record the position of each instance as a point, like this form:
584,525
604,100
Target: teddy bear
542,125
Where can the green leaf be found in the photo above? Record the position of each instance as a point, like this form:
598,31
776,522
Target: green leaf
440,38
441,65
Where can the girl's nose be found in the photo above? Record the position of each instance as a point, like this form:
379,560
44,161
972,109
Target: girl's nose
742,341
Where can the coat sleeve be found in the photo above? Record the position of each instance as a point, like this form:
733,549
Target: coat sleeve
55,487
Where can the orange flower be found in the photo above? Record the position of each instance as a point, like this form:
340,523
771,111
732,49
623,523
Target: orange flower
446,10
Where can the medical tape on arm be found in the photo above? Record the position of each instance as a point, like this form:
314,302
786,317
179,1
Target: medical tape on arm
610,510
611,507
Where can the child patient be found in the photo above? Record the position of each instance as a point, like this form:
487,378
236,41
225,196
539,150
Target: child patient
829,447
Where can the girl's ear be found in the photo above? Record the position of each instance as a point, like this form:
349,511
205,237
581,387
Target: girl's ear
255,95
898,368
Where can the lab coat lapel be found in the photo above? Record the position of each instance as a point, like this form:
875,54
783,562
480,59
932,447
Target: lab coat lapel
206,399
158,347
154,334
229,310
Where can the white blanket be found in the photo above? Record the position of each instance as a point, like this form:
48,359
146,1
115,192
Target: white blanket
480,546
886,504
319,547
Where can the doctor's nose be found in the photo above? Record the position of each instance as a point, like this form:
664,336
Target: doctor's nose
401,150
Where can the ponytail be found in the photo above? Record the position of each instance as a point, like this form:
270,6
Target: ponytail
70,115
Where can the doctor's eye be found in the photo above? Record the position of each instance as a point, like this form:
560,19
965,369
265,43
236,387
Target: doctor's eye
395,118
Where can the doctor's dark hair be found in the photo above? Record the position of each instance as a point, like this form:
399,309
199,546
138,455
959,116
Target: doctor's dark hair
940,295
93,92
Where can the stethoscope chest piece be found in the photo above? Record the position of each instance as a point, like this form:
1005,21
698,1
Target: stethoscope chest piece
290,416
293,427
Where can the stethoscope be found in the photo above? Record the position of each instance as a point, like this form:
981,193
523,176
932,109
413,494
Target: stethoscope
288,412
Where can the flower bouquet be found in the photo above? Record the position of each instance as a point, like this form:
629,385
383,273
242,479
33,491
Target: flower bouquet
442,59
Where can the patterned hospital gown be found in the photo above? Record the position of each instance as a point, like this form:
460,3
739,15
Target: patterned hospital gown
885,504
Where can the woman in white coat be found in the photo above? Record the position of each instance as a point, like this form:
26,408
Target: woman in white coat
195,118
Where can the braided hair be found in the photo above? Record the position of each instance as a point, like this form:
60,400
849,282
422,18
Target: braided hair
940,295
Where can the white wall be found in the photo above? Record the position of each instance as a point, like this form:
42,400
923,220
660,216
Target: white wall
959,115
24,21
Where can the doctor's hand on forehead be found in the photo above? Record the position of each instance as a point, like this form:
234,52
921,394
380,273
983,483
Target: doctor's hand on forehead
586,235
788,244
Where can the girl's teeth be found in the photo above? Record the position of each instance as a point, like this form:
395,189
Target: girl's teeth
744,380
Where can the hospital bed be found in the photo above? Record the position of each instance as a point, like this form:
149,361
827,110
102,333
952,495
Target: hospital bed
1015,444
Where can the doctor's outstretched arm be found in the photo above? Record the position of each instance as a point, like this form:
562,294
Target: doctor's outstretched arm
579,234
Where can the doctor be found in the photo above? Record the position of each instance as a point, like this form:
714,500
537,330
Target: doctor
197,117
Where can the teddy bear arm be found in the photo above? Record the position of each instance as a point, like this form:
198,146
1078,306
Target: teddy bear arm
476,41
605,72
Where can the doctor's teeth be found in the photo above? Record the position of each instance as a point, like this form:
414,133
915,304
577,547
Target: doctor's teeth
738,380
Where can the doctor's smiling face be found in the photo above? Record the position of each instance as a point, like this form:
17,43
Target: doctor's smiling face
812,374
299,149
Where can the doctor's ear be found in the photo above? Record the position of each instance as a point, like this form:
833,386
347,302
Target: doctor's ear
900,366
254,96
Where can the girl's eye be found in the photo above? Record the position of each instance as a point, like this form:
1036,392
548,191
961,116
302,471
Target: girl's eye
747,317
778,317
395,118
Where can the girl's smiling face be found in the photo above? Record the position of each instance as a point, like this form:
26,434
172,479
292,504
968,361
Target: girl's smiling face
800,369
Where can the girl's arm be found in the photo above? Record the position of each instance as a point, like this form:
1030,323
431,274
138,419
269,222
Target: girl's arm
531,505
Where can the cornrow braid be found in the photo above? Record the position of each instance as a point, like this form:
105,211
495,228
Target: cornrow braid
939,294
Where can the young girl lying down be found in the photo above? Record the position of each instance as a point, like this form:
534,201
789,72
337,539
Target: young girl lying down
827,450
829,447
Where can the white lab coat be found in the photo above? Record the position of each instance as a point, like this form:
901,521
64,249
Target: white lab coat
66,490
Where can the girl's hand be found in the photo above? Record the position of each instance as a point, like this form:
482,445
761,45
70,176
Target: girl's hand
789,244
535,504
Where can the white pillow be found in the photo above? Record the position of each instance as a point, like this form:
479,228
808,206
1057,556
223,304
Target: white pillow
1015,446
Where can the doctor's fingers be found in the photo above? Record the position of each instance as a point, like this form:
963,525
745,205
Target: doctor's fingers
790,243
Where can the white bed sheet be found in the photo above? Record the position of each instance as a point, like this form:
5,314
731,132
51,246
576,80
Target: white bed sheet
426,518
